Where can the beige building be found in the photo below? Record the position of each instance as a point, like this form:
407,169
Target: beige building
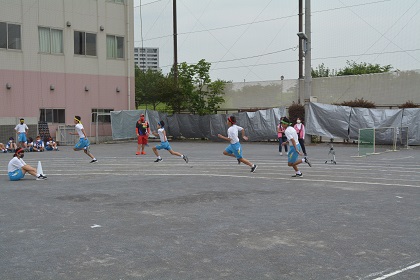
61,58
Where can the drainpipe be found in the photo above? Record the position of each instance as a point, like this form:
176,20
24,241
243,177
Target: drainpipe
128,57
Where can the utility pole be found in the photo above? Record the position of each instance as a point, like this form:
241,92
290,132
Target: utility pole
300,41
308,67
175,67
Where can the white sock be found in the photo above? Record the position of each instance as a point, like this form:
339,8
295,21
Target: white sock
299,172
304,160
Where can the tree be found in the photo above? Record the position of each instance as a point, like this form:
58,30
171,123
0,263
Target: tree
296,111
320,71
152,87
354,68
201,95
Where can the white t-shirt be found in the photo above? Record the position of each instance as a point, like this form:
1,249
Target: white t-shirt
291,133
15,164
79,128
50,143
162,135
21,128
233,133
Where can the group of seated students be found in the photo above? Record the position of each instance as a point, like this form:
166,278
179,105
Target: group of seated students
31,146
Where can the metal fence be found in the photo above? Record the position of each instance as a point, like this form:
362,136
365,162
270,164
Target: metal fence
63,137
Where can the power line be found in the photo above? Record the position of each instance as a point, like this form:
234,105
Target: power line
259,21
148,3
228,50
254,56
356,5
222,27
382,34
319,58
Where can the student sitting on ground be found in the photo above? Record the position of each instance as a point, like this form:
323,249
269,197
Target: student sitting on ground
17,168
3,148
30,144
39,145
11,145
51,145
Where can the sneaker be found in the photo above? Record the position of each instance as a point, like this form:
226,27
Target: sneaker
143,153
41,177
239,161
137,153
307,161
158,159
93,160
281,153
184,157
253,168
298,175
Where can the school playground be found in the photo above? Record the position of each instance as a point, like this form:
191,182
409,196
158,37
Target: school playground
127,217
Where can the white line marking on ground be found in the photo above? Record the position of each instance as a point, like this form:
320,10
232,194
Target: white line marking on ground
240,176
398,271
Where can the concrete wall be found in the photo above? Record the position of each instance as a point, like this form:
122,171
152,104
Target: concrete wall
385,90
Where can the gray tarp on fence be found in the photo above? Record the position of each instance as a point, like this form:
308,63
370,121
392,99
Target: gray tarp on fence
259,126
323,120
123,123
373,118
328,120
344,122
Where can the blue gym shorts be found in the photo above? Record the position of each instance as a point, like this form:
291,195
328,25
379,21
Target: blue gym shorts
22,137
82,143
292,155
16,175
164,145
235,149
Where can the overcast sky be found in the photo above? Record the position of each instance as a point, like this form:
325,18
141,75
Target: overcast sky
255,40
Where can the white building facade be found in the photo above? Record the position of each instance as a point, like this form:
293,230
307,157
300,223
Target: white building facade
61,58
147,58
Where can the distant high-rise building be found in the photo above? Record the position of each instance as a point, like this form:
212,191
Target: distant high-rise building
146,58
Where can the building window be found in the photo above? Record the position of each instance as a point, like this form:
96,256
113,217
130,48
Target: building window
10,36
116,1
52,115
101,118
114,46
84,43
50,40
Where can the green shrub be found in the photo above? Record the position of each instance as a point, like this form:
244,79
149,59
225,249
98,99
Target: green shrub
296,111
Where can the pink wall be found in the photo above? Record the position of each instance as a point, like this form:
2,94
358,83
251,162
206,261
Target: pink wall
31,91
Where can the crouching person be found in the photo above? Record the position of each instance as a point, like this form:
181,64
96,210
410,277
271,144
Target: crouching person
17,168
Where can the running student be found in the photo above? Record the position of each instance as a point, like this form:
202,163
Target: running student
83,143
17,168
164,144
294,148
235,149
